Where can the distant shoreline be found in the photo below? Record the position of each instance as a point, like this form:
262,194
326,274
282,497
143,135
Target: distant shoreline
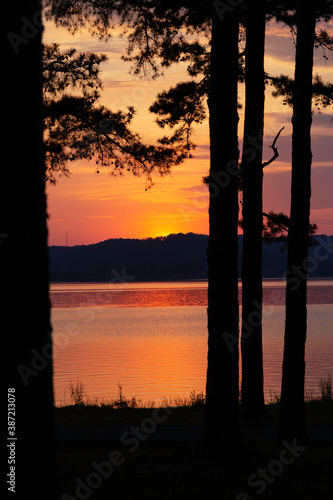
192,280
176,258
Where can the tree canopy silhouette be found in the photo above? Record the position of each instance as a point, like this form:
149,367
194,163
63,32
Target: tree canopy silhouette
77,127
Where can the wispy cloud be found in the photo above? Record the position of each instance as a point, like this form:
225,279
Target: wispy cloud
100,216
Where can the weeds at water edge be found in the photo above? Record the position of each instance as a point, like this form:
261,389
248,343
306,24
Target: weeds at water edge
79,397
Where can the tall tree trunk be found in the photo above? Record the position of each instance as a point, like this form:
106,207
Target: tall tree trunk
292,418
252,393
221,426
24,261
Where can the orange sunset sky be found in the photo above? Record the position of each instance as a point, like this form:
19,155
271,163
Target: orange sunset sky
94,207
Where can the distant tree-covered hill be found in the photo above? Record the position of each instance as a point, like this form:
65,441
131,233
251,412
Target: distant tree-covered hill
174,257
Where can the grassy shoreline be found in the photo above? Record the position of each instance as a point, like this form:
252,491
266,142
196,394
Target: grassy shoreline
185,411
318,412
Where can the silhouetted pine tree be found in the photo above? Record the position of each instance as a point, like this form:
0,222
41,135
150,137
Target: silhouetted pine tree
252,392
292,416
221,426
25,319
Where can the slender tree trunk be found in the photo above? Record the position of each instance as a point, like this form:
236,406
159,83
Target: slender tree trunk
24,261
221,427
292,418
252,393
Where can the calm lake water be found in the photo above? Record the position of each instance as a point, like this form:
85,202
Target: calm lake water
152,337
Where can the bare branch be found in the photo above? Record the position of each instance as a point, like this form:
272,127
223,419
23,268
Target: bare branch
275,150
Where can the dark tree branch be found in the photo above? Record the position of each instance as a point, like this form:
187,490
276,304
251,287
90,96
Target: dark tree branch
271,216
276,153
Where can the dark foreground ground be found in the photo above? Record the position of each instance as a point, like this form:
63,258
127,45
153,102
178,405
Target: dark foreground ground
125,454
